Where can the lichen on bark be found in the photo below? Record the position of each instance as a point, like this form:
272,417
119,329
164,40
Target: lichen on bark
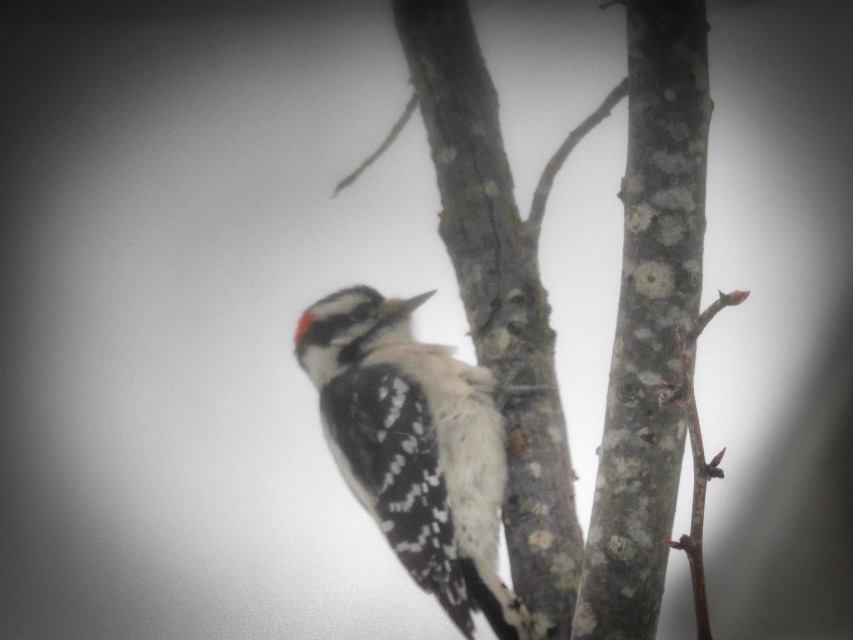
643,441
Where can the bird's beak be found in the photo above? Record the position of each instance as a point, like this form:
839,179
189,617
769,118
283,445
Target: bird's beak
411,304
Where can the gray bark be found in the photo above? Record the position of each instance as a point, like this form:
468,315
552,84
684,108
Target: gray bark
496,264
643,443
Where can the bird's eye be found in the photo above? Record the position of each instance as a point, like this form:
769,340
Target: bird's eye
321,332
362,311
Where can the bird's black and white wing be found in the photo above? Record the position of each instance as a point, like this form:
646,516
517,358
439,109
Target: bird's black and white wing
386,447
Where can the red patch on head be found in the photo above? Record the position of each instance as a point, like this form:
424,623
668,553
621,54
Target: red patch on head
305,321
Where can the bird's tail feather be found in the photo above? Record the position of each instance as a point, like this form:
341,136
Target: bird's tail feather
504,611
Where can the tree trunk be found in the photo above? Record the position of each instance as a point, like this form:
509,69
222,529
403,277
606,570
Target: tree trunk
643,443
496,265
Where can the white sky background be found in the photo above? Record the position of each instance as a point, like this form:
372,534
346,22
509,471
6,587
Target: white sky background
171,218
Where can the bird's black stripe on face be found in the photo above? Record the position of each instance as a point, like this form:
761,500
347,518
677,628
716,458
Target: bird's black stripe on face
352,352
322,331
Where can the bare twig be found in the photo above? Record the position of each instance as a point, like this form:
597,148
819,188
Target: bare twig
610,3
725,300
702,471
389,140
543,189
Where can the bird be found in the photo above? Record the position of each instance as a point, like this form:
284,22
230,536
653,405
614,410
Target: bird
419,441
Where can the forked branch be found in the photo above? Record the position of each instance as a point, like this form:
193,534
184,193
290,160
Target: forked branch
702,471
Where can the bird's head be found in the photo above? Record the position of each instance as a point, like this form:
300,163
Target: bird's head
340,329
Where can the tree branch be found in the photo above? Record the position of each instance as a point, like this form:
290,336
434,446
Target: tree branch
543,189
389,140
506,305
642,446
702,471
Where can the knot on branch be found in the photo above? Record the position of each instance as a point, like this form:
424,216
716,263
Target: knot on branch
669,393
682,544
518,442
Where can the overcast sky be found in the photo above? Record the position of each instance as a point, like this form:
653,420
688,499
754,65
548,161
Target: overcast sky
165,185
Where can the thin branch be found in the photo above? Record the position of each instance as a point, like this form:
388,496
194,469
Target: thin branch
693,542
543,189
389,140
702,471
606,5
725,300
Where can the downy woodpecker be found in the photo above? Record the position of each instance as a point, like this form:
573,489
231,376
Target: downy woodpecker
419,441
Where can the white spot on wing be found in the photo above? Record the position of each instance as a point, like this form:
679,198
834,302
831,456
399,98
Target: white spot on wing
397,400
414,547
433,480
400,387
409,444
440,514
403,506
391,418
389,480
